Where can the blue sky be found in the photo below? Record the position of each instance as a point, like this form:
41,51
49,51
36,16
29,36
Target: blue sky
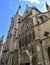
8,8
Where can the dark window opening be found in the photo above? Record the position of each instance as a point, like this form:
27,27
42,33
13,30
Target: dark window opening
0,45
19,43
22,42
27,26
6,61
27,64
46,33
38,22
34,60
26,40
33,35
19,19
27,21
41,19
26,11
29,37
49,52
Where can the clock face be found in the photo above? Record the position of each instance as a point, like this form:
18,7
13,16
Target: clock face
27,25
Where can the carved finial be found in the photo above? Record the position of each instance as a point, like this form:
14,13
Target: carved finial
19,6
47,6
18,9
27,5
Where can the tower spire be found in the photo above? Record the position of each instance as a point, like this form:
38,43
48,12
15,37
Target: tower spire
18,11
47,6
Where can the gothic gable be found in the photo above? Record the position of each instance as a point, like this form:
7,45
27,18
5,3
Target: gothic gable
28,9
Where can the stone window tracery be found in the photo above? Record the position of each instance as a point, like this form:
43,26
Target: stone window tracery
27,25
27,39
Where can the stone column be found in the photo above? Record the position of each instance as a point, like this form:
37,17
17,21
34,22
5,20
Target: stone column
46,60
30,60
39,54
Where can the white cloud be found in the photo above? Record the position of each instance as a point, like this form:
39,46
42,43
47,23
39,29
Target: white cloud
44,5
35,1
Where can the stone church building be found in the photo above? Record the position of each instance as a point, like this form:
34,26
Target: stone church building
28,39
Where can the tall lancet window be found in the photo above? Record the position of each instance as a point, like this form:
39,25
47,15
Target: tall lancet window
49,53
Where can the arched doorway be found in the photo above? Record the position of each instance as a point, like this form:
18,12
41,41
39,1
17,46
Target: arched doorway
25,58
49,53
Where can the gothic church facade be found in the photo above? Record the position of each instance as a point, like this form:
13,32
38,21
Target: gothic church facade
28,39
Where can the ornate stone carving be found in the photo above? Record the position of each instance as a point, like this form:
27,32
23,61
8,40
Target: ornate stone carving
25,57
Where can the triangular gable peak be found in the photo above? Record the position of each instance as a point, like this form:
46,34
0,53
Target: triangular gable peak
35,11
29,9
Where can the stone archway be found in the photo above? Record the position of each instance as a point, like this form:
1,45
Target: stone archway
25,58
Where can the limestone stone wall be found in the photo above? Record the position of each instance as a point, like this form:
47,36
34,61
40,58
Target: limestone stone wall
10,59
45,27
